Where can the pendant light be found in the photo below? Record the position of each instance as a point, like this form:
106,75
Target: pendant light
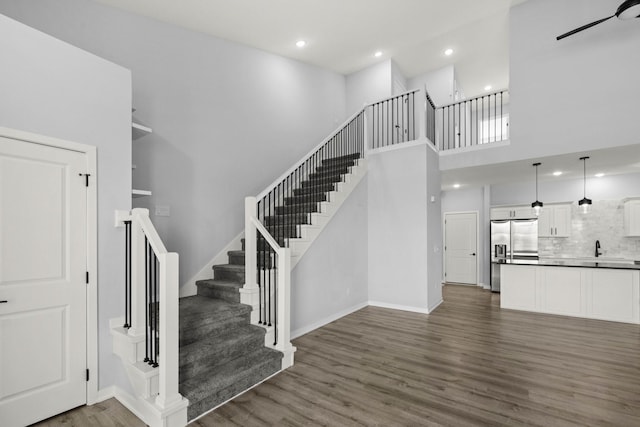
537,205
585,203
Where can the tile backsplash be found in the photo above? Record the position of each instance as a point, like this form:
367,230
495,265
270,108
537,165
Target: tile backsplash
605,223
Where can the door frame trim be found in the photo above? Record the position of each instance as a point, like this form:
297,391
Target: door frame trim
444,241
92,243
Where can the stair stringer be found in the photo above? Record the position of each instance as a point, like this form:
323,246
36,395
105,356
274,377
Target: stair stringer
310,232
144,380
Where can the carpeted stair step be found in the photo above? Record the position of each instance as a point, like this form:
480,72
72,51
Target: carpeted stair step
225,290
305,198
341,159
298,218
216,350
221,383
322,188
321,181
328,176
335,166
236,257
290,230
201,316
229,272
297,209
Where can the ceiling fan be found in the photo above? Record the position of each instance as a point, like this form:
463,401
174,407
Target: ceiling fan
629,9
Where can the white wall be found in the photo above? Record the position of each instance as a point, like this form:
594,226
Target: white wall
227,119
434,229
440,84
368,85
397,211
52,88
572,95
331,279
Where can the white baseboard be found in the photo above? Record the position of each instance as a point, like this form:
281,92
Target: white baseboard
399,307
483,286
103,394
189,288
436,305
315,325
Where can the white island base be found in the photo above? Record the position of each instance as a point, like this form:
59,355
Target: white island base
594,293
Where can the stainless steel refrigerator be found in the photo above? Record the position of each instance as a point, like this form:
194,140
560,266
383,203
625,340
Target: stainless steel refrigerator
511,239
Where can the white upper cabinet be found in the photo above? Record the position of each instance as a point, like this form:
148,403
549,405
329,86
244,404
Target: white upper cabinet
632,217
512,212
555,221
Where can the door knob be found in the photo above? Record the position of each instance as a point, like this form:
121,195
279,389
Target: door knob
474,254
4,301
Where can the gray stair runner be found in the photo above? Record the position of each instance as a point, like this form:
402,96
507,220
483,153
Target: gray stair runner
221,353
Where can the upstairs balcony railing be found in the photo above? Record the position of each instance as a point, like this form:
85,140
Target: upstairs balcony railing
473,122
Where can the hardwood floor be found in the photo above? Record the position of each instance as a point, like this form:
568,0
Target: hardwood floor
467,364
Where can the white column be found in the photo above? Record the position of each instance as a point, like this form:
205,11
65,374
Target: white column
284,307
421,108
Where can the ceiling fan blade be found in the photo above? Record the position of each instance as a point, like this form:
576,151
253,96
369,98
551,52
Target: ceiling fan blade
584,27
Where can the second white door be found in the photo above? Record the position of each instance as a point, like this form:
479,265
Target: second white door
461,247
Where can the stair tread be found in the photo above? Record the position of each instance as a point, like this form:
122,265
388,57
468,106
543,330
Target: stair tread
194,351
235,267
197,309
221,283
223,376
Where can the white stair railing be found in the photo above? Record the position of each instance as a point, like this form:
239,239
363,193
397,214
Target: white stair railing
151,308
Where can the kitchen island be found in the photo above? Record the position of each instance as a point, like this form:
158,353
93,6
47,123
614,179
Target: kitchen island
573,287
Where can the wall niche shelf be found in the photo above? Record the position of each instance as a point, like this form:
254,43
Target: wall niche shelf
140,193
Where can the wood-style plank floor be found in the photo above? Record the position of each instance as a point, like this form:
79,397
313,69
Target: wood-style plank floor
467,364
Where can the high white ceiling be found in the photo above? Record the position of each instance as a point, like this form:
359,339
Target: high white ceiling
343,35
610,161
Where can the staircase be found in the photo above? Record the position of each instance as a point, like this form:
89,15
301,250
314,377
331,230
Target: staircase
221,353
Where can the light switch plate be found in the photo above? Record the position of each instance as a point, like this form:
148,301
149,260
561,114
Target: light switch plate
163,210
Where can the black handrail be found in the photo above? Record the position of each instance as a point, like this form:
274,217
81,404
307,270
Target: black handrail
291,202
393,120
473,122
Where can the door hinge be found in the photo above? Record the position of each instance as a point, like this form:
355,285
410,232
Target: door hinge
86,178
87,375
87,278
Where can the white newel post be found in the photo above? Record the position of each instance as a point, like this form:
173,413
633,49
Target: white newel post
137,273
365,131
422,115
284,308
249,293
168,394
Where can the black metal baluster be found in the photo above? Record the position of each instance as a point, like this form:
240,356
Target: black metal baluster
127,275
156,317
146,300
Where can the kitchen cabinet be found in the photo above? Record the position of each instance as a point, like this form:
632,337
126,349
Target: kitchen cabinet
512,212
632,217
555,221
595,293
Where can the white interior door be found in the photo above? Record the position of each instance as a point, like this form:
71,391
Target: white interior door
461,237
43,253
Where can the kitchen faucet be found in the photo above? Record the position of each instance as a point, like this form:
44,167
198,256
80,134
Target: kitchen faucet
598,253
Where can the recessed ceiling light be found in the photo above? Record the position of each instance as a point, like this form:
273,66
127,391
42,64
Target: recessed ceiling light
456,185
378,54
487,87
448,52
557,173
301,43
599,175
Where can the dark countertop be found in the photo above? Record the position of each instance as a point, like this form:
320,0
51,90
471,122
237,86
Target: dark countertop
572,263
